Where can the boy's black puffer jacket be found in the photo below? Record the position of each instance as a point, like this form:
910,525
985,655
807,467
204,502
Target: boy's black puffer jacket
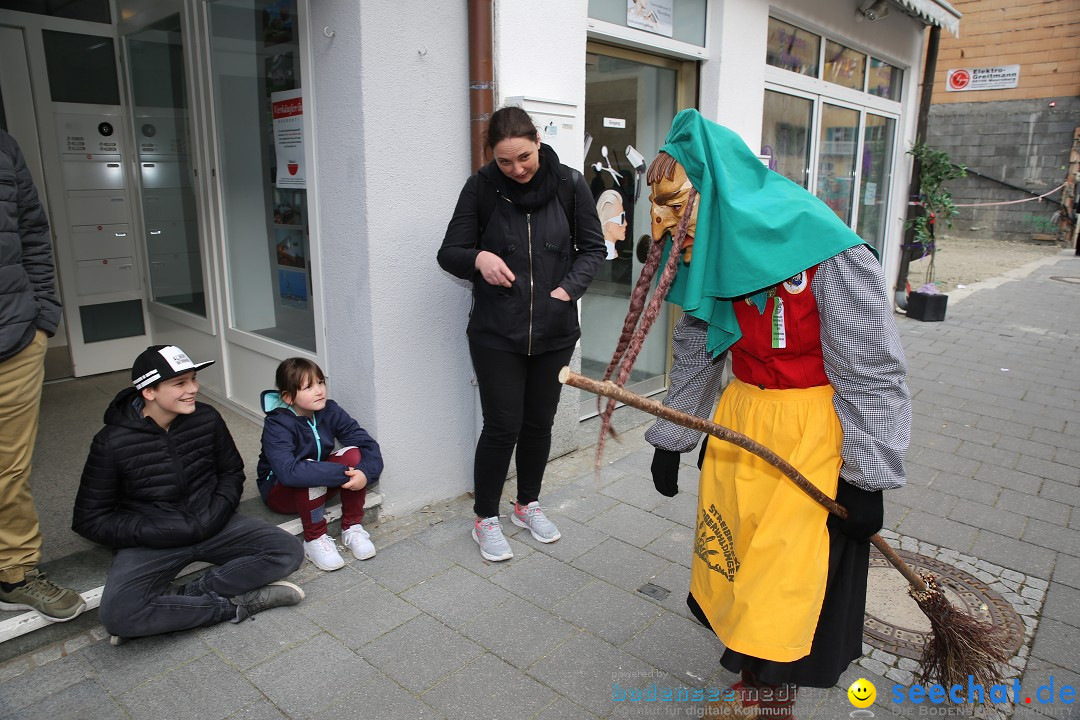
145,487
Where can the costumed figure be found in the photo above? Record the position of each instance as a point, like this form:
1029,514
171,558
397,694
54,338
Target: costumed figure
766,272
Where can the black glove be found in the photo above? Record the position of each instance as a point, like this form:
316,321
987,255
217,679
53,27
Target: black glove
866,511
665,471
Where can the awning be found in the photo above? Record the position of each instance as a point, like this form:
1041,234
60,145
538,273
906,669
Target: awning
933,12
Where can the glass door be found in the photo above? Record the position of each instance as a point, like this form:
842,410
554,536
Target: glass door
879,139
255,70
162,145
630,101
837,151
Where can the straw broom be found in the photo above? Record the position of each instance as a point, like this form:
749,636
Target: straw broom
960,645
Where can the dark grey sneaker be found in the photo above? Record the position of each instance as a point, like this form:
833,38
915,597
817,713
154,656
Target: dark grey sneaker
54,603
276,594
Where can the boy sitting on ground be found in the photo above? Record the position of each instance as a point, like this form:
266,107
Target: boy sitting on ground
161,486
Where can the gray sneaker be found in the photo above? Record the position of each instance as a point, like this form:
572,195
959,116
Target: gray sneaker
532,517
276,594
488,535
54,603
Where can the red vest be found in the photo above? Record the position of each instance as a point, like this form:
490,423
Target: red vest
797,362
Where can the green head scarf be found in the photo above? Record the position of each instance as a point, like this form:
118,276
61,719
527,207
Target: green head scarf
755,228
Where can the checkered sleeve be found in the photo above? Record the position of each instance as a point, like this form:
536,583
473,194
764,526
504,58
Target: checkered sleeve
865,363
695,380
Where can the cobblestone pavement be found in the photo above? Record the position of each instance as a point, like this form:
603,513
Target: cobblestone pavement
427,629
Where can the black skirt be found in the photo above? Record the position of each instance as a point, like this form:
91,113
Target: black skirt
839,633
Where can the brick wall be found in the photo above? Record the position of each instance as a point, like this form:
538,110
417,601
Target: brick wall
1024,143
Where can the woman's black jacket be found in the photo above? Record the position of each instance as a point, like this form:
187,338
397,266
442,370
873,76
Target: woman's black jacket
538,249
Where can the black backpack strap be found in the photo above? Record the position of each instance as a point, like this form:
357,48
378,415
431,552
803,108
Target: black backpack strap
485,203
568,200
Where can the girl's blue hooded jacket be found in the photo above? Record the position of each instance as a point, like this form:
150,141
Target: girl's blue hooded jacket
295,449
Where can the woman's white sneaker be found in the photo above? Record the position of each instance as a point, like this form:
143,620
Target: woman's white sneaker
323,553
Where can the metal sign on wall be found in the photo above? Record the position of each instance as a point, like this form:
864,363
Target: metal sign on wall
992,78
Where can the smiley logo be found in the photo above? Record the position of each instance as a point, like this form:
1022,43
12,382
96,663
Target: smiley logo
862,693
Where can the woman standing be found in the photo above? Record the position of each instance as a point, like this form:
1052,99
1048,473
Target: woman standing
526,234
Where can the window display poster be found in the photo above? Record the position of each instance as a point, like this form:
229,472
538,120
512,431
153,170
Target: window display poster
651,15
292,288
277,22
280,72
287,107
288,207
290,248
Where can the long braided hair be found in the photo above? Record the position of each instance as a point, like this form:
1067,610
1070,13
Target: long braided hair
632,338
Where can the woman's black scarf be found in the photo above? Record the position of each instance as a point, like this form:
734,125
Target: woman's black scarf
541,188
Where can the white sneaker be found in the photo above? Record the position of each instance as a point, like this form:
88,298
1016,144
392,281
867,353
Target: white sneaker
323,553
358,540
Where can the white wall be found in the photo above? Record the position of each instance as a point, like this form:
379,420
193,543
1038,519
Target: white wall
392,149
540,53
732,81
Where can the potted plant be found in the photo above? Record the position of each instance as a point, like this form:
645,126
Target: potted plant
935,168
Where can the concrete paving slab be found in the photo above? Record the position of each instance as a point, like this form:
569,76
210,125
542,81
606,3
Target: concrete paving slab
420,653
541,579
310,676
682,648
519,632
620,564
584,668
489,687
357,615
204,689
455,596
608,612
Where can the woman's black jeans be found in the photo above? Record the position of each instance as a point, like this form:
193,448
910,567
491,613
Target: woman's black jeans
519,395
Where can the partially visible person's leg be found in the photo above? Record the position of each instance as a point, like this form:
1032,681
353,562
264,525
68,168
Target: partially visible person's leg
309,504
138,598
248,553
501,379
542,391
22,586
20,401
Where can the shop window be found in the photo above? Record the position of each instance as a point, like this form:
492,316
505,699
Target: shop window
82,68
786,135
687,17
844,66
91,10
885,80
260,110
792,48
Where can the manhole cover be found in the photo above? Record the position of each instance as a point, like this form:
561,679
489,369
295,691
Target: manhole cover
1075,280
895,623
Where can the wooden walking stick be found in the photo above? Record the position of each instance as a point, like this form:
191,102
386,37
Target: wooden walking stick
960,645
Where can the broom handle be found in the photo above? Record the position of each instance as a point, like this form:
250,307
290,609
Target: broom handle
621,394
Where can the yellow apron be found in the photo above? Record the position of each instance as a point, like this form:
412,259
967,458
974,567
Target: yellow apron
761,550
